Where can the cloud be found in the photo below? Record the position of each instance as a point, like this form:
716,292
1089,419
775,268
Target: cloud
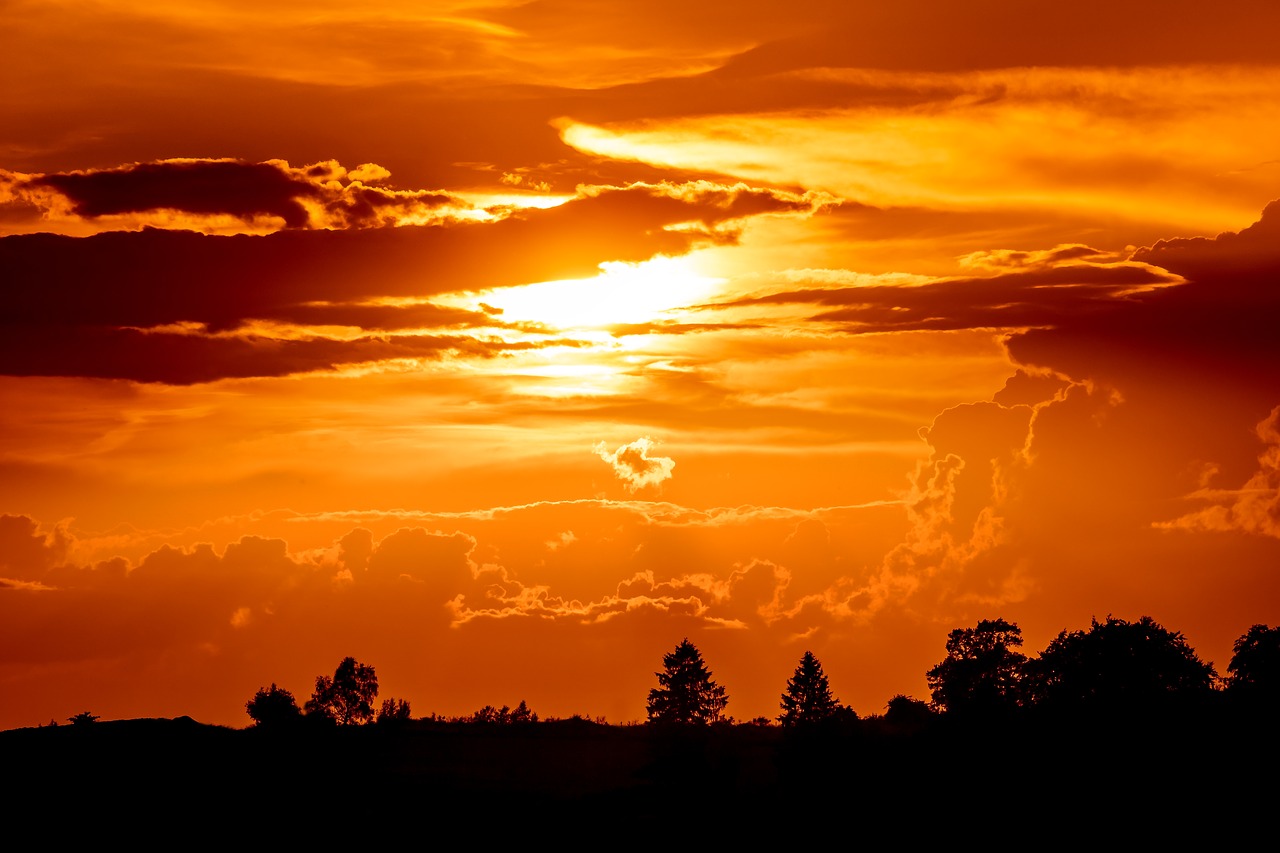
182,357
1057,492
182,307
1029,289
1215,331
1252,508
26,551
634,465
1249,252
203,194
451,602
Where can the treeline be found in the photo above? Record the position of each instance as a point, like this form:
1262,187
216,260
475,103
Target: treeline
1113,667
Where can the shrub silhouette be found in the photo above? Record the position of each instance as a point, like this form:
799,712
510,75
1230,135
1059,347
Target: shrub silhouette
905,711
393,712
273,706
505,715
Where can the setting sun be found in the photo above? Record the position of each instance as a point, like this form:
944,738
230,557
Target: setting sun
655,289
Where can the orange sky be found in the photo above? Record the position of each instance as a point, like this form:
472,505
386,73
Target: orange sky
502,345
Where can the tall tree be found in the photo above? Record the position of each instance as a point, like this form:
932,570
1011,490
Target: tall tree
685,693
1254,671
982,671
1118,664
808,696
346,698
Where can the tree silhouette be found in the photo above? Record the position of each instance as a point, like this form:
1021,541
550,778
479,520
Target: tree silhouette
903,710
982,671
685,694
273,706
1116,664
492,716
84,718
506,715
346,698
1254,671
808,697
393,712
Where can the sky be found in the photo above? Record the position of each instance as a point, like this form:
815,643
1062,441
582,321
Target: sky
504,345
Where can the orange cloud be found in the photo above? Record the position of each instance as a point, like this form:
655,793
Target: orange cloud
225,196
634,465
106,305
1252,508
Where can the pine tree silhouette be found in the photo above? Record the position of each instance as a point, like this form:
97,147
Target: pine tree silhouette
808,698
685,693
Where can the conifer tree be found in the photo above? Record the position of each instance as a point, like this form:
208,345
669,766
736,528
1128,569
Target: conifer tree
686,693
808,698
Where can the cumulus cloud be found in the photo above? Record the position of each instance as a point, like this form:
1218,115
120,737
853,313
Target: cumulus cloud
1231,253
454,599
1252,508
635,464
1216,329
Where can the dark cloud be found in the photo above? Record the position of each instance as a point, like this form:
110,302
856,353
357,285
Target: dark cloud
100,305
321,195
1217,330
1027,389
1037,296
178,358
196,186
1250,253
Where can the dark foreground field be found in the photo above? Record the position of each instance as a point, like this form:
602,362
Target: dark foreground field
1021,784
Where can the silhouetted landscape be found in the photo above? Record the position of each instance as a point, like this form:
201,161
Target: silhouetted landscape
1118,729
640,424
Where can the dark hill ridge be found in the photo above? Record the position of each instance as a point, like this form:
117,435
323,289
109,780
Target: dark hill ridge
1147,779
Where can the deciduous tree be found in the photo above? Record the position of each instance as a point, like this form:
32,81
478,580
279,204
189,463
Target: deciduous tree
1116,664
273,706
982,671
686,693
1254,671
346,698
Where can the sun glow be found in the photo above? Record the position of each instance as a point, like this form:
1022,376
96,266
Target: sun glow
622,293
